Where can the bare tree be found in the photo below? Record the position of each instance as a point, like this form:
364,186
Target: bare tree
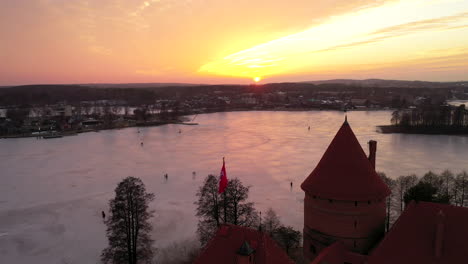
230,207
128,225
208,208
461,187
402,185
391,183
238,211
287,238
271,221
447,189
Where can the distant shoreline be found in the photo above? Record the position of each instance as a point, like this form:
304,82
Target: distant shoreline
75,132
160,123
295,109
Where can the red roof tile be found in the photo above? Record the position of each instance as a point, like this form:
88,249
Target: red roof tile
344,172
412,239
223,247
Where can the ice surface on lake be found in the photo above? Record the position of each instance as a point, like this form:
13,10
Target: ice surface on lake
52,191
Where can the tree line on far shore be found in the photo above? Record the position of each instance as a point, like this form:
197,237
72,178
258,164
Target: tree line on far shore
433,116
446,187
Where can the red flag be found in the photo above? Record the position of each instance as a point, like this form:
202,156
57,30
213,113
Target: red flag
223,181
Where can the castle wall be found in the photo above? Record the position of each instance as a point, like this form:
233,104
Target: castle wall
356,223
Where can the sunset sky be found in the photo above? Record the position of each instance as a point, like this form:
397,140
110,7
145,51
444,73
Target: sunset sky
231,41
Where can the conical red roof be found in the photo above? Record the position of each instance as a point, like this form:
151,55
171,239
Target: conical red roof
344,172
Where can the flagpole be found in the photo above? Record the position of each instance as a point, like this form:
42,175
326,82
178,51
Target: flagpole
225,206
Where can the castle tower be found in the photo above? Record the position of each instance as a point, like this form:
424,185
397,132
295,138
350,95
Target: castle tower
344,198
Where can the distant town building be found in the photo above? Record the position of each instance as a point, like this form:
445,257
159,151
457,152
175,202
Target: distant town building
359,103
91,123
249,100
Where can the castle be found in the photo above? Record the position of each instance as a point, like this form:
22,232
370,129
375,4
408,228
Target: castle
344,219
344,198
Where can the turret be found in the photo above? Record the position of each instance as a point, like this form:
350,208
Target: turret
344,197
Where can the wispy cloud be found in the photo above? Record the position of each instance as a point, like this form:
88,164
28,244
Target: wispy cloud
459,21
370,26
440,23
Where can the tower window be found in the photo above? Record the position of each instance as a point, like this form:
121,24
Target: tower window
369,202
355,203
330,200
354,243
355,224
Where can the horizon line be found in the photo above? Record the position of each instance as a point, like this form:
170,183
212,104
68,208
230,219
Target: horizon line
224,84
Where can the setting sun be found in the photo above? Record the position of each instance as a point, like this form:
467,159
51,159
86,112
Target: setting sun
257,79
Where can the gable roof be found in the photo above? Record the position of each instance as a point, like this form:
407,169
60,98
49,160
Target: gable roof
224,247
344,172
412,239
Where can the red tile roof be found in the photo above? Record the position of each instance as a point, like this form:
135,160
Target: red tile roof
413,238
344,172
223,247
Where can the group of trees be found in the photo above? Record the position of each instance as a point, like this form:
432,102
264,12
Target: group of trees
447,187
214,209
232,207
285,236
128,226
432,116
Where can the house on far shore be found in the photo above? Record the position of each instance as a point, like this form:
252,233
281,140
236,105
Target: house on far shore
91,123
2,114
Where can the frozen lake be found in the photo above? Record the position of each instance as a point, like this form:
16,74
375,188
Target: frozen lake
52,191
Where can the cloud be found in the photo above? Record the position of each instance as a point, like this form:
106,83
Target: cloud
441,23
371,26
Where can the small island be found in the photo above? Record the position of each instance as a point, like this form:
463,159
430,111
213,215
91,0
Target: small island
438,119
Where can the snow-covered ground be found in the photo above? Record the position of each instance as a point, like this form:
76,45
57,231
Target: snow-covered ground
52,191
